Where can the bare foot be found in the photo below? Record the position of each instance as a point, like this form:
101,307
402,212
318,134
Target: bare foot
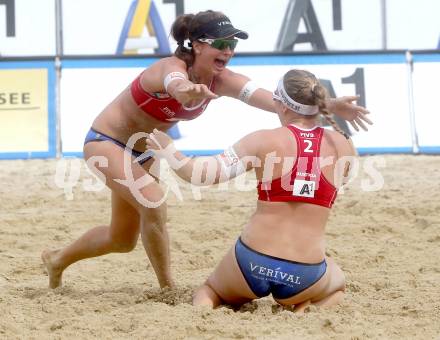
301,307
54,272
166,282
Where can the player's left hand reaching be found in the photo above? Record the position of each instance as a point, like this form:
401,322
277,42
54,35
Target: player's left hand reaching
346,109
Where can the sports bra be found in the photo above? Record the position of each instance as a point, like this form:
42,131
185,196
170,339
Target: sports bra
305,182
164,107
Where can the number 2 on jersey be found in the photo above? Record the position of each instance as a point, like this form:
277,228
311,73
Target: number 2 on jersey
309,145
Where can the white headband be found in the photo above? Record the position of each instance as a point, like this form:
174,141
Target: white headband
306,110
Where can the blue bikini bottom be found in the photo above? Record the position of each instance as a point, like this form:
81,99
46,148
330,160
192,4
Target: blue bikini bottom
267,274
95,136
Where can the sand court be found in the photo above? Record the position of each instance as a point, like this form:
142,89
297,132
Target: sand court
387,243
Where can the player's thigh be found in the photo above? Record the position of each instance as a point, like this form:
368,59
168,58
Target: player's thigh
127,178
228,282
336,280
124,225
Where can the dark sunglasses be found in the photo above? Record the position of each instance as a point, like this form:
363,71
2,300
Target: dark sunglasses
220,44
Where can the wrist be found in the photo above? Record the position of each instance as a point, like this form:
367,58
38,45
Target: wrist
330,103
174,157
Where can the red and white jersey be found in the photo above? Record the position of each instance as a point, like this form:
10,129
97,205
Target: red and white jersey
163,107
305,182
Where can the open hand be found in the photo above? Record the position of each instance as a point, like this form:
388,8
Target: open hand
354,114
158,141
163,147
189,92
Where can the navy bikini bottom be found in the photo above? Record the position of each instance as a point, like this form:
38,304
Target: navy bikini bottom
95,136
267,274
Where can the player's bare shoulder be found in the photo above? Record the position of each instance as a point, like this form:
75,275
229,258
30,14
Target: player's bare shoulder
229,83
343,145
164,66
274,140
226,75
153,76
171,63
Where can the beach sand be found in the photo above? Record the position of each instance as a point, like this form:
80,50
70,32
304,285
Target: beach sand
387,243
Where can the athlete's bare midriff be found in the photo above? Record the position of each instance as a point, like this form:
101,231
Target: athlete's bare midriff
290,230
122,118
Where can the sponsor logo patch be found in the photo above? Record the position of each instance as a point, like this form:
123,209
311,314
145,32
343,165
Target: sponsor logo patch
304,188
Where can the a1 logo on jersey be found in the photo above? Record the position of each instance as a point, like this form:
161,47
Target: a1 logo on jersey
304,188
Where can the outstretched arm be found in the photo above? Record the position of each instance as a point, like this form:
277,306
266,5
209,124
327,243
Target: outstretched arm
172,77
238,86
342,106
206,170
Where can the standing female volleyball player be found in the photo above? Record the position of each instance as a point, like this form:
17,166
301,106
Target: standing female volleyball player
172,89
281,250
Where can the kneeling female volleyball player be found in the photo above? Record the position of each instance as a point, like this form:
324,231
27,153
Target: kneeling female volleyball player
281,249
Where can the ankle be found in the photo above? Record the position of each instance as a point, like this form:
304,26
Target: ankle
166,282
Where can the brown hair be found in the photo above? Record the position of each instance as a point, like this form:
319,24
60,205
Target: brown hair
182,28
303,87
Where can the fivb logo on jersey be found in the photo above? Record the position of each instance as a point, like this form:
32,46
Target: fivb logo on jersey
307,134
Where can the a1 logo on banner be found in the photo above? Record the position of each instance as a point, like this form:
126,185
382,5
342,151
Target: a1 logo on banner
20,36
10,17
